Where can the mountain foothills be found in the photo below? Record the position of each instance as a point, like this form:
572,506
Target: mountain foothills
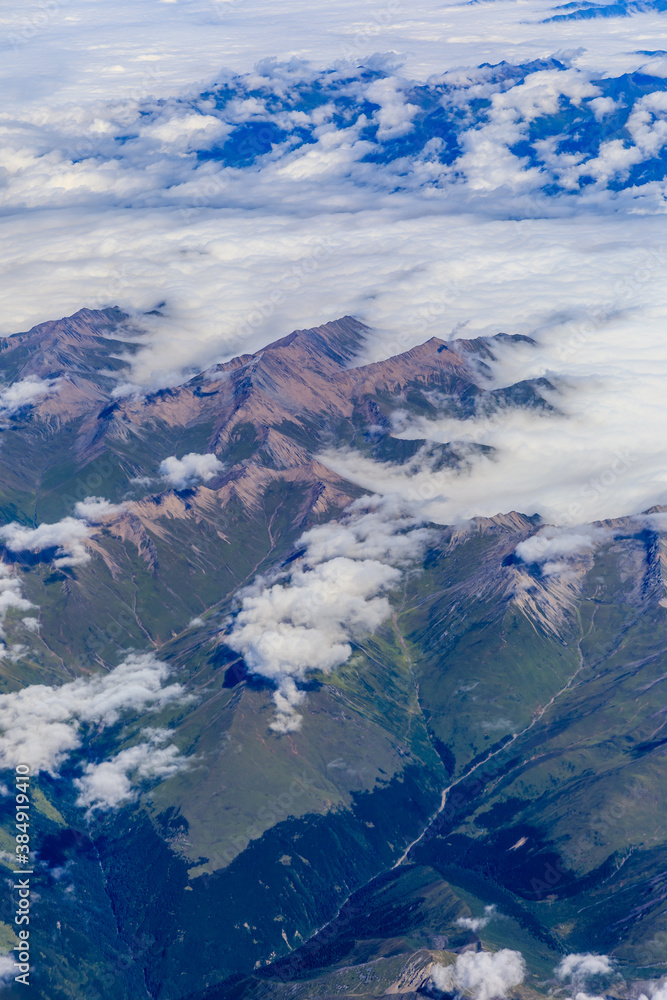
291,740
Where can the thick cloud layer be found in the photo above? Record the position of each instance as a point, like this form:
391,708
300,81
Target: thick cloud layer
333,594
127,50
41,725
505,173
482,975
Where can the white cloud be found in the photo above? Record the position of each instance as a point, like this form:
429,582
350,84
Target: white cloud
24,393
41,725
478,923
576,966
411,276
7,965
189,41
11,595
657,991
109,784
182,472
335,593
582,969
603,106
95,509
67,537
117,208
482,975
396,113
551,545
178,132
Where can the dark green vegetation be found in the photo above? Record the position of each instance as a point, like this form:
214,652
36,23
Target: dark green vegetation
274,866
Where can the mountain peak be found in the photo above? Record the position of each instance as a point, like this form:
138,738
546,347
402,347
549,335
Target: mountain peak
81,344
339,340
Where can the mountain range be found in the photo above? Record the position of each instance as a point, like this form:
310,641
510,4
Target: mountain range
480,768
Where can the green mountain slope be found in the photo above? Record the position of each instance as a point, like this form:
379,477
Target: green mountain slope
495,741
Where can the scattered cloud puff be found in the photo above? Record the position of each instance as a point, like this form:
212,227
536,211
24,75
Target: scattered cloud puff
581,966
109,784
11,595
24,393
182,472
482,975
334,593
552,546
478,923
7,962
95,509
67,537
584,970
41,725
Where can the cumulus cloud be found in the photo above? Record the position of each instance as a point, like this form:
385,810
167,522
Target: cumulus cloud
11,595
24,393
553,546
581,966
40,725
482,975
333,594
396,113
112,782
583,971
182,472
67,537
478,923
95,509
